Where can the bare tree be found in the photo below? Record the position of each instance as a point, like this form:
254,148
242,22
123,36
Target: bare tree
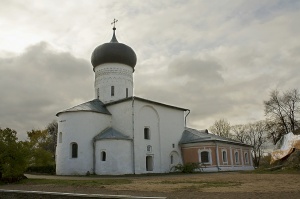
253,134
282,113
239,133
257,137
221,127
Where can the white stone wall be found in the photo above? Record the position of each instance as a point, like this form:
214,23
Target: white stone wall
166,126
78,127
113,74
122,117
118,157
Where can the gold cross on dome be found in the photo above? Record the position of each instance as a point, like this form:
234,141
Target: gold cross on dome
114,22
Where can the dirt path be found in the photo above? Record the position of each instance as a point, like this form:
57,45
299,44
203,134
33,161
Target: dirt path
203,185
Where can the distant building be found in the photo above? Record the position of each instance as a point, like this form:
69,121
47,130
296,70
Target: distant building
118,133
215,152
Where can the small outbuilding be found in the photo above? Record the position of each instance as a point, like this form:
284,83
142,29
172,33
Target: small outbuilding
216,153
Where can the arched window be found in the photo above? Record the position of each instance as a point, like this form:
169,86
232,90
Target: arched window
103,156
149,148
60,137
205,157
98,93
236,155
246,158
224,156
126,92
74,150
172,159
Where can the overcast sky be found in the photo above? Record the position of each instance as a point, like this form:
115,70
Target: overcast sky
220,59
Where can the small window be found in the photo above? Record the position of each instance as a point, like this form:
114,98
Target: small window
126,92
149,163
146,133
236,155
60,137
173,145
246,158
112,91
98,93
149,148
172,159
224,156
205,157
103,156
74,150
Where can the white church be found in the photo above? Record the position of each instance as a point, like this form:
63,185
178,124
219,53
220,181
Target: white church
118,133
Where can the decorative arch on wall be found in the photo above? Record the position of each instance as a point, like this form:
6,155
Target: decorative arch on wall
146,126
174,158
152,108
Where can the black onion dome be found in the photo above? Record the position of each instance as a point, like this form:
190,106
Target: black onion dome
113,52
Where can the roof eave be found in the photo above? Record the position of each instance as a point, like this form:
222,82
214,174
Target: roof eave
57,114
214,140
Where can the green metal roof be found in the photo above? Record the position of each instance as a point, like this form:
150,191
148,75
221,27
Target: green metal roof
91,106
111,133
190,135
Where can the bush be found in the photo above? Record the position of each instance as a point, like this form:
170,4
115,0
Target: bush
188,167
265,161
293,161
12,179
14,155
49,169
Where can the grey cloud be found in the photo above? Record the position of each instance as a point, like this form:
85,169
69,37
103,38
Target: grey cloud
196,70
40,82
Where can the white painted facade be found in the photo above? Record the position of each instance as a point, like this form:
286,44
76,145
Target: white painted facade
80,128
113,81
130,117
118,157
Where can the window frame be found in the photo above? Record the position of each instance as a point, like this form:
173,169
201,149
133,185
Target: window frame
208,154
103,156
112,91
149,148
225,161
246,157
60,137
73,151
236,157
147,135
